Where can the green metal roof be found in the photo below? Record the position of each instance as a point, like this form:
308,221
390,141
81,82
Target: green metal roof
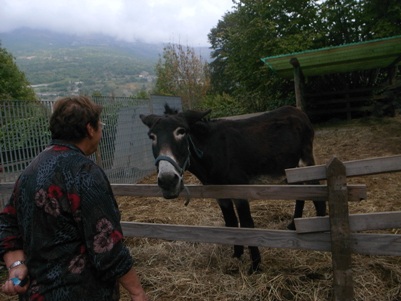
345,58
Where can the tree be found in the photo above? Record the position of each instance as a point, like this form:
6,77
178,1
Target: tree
348,21
353,21
13,83
182,73
255,29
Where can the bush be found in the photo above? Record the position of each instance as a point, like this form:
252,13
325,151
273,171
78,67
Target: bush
23,129
222,105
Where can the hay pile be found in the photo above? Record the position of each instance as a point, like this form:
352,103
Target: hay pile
193,271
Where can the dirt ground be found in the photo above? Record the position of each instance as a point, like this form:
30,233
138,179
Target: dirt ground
193,271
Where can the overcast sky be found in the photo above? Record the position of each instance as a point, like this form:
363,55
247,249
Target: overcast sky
171,21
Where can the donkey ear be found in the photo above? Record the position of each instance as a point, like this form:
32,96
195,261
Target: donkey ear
194,116
148,120
169,110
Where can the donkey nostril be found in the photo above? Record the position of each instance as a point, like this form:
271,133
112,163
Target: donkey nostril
167,181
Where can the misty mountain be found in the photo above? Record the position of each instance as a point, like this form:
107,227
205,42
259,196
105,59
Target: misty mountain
61,64
26,41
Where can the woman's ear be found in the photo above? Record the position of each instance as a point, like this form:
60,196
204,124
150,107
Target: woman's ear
90,130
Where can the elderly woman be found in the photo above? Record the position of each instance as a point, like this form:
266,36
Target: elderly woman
60,233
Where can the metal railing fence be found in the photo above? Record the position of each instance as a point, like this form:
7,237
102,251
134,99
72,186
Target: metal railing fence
124,151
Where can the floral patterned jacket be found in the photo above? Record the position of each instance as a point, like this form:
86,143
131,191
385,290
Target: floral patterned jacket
64,216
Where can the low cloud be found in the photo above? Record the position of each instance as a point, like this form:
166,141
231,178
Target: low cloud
179,21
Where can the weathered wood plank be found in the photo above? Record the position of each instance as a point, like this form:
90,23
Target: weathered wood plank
376,244
356,192
340,232
229,236
368,244
353,168
357,222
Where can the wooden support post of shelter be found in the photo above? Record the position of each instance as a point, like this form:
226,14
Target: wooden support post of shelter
340,230
393,70
298,83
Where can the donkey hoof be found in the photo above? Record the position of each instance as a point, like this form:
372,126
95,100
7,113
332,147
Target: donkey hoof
238,251
291,226
255,269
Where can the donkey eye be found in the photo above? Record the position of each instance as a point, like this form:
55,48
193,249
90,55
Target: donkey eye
180,132
152,136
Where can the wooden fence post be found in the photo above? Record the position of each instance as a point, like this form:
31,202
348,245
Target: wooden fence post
340,231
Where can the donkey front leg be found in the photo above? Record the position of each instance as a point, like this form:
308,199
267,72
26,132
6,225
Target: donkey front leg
246,221
320,207
230,219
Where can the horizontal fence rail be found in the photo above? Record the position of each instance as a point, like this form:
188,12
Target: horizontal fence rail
352,168
368,244
357,222
356,192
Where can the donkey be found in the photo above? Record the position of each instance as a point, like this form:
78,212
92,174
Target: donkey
230,152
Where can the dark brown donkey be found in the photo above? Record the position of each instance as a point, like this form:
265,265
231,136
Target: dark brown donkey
229,152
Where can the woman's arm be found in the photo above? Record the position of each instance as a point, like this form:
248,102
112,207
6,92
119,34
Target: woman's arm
15,263
130,281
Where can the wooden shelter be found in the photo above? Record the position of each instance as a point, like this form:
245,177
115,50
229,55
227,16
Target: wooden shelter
371,55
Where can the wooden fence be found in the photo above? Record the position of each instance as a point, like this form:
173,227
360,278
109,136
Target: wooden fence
336,233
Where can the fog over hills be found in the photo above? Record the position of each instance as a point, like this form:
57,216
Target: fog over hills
25,40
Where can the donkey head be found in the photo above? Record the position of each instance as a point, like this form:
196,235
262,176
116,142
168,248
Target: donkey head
171,146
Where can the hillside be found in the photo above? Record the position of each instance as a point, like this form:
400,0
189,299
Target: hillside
59,64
